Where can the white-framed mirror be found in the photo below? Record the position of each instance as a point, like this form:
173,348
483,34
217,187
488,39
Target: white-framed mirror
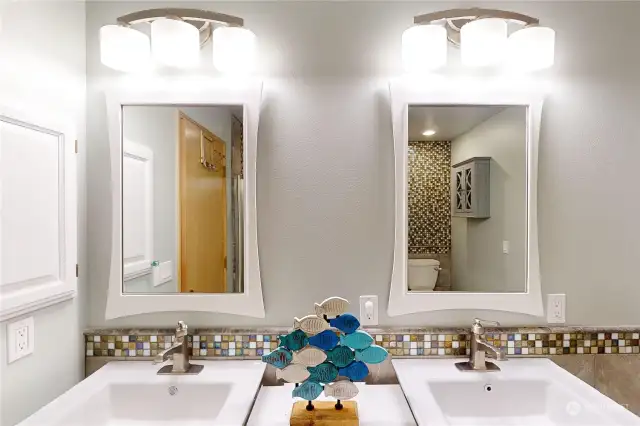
466,232
184,234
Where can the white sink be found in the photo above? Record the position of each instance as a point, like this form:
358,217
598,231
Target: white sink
532,391
131,393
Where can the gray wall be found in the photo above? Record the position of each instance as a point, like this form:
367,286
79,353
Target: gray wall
157,128
325,168
44,70
478,263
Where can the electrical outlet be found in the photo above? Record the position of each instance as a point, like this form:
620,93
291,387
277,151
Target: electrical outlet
556,308
369,310
20,339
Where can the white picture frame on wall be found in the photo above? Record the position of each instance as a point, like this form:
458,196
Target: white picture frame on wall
412,92
219,92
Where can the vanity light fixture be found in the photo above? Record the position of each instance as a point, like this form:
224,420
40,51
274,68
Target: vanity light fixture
483,37
429,132
177,35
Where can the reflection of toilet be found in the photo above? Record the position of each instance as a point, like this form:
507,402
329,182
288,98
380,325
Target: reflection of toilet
423,274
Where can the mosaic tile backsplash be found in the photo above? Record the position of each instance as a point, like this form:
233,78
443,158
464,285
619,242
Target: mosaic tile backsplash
534,342
429,197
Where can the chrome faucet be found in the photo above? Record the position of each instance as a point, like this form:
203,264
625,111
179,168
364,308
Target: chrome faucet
179,352
480,348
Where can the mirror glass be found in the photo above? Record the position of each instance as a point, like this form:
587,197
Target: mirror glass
182,199
467,198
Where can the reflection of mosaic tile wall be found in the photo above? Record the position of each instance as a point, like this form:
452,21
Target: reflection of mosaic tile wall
452,342
429,201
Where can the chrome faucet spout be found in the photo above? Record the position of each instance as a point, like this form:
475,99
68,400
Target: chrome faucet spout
180,353
480,349
498,353
164,355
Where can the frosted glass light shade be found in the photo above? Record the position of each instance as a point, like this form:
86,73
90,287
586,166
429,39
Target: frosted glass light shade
424,48
483,42
124,49
234,50
532,48
175,43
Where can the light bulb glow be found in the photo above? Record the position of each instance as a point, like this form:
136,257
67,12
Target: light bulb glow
175,43
429,132
424,48
531,48
234,50
124,49
483,42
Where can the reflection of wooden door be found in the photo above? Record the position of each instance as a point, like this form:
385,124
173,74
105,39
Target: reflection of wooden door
203,210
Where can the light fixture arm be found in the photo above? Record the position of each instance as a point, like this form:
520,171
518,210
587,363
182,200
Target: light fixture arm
185,14
473,13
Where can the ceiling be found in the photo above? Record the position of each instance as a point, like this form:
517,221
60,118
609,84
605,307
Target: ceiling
449,122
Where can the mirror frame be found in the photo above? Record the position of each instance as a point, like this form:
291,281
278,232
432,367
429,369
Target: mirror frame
405,93
219,92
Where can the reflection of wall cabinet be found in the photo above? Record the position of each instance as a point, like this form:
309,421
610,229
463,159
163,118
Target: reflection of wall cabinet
470,188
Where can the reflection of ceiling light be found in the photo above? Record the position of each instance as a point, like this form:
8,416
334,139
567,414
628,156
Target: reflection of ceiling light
482,35
177,35
429,132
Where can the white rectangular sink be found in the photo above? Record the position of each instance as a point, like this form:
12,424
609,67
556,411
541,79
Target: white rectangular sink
131,393
532,391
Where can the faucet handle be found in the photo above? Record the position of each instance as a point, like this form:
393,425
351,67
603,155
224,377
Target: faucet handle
478,328
181,330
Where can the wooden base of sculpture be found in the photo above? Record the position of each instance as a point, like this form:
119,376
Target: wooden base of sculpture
324,413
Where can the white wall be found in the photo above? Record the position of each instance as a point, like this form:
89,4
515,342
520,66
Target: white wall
42,67
478,263
325,158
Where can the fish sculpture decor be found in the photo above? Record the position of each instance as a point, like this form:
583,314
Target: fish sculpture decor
332,307
357,340
321,348
356,371
326,340
279,358
311,324
295,340
346,323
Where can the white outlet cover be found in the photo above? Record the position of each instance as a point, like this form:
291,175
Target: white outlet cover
20,339
556,308
369,318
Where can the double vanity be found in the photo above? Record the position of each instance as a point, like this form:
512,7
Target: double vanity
430,391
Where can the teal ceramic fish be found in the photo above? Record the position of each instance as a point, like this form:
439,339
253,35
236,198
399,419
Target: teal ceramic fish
357,340
294,341
326,340
323,373
308,390
372,355
341,356
279,358
355,371
346,323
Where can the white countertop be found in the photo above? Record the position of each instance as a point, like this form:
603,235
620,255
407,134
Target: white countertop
127,393
378,405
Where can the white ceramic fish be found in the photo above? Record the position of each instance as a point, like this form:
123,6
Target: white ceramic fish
342,389
309,356
310,324
293,373
332,307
